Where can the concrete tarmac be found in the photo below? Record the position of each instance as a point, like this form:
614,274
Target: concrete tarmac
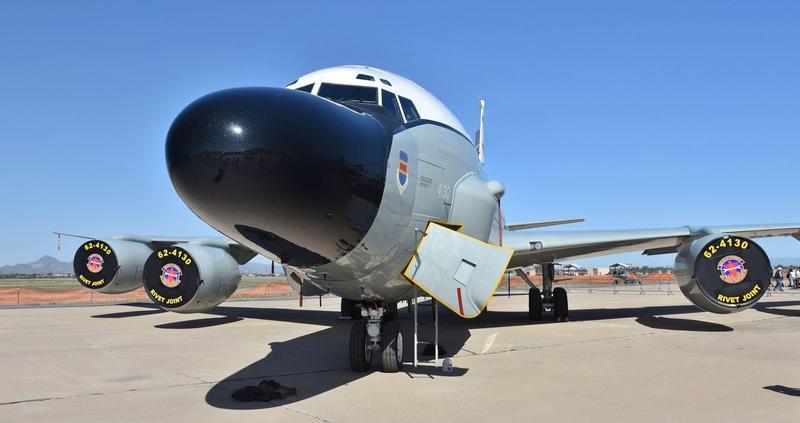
622,357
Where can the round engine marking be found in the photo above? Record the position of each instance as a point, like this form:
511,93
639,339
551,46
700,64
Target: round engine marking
171,275
95,263
731,269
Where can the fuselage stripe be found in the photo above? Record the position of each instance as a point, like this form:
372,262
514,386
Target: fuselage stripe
460,304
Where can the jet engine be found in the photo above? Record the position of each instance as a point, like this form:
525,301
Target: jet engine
110,267
190,278
723,273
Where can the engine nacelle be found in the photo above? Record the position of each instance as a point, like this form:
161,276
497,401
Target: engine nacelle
111,267
190,278
723,273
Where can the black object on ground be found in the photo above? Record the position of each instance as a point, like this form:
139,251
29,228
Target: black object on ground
266,391
428,351
795,392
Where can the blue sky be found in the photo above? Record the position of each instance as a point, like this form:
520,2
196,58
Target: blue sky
629,113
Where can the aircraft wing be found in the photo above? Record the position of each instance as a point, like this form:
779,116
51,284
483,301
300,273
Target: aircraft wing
532,247
239,252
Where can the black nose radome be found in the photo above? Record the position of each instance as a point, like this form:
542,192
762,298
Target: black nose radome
281,170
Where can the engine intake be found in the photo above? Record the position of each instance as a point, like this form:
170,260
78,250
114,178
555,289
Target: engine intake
110,267
723,273
190,278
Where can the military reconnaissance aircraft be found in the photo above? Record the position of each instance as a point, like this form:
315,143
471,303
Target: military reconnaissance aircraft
362,184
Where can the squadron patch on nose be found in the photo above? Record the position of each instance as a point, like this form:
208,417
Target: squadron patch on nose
731,269
402,172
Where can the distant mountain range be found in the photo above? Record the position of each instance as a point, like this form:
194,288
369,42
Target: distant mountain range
43,266
49,264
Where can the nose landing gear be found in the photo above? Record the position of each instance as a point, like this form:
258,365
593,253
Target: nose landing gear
360,348
378,333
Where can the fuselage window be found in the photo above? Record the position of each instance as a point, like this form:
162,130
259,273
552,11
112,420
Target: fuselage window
306,88
390,103
353,93
409,109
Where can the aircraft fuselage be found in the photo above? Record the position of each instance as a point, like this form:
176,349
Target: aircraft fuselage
340,192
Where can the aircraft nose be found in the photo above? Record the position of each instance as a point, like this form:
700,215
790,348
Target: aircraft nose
279,170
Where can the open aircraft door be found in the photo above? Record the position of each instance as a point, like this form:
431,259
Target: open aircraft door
457,270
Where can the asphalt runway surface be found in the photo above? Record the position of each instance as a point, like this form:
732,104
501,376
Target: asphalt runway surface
623,356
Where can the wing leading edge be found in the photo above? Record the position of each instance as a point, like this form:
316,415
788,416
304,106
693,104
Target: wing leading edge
239,252
531,247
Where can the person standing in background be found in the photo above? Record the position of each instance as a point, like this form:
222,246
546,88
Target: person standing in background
794,277
778,277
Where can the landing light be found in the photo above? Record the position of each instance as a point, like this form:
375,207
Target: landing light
236,129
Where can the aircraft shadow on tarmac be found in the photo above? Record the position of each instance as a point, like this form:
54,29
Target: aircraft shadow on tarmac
149,309
771,308
199,323
794,392
681,324
317,362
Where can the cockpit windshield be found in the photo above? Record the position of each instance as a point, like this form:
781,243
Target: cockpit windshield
351,93
308,88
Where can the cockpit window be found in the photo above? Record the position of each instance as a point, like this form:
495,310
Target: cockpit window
306,88
409,109
386,82
365,77
389,101
337,92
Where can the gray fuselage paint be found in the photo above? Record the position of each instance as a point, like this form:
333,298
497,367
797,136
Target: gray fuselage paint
438,158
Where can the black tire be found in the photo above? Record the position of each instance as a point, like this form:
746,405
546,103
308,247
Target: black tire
350,310
360,356
534,304
391,346
560,305
346,309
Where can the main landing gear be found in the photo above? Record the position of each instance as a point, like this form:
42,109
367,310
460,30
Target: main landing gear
376,334
551,299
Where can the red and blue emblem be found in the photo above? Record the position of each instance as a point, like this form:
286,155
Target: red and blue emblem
731,269
171,275
95,263
402,172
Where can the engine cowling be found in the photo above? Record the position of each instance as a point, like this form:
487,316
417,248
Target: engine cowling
111,267
723,273
190,278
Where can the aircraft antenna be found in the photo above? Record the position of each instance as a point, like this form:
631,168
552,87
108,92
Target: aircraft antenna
479,134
